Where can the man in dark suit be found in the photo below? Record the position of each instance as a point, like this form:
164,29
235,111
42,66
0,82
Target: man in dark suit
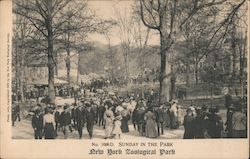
73,115
228,100
66,121
18,112
37,124
57,118
13,114
159,113
90,119
101,110
80,119
140,120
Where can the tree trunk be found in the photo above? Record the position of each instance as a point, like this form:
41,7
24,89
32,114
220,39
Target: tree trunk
127,66
242,59
21,77
16,73
111,58
196,73
187,75
56,60
68,70
78,68
51,63
211,93
172,90
51,71
234,56
68,60
21,69
165,70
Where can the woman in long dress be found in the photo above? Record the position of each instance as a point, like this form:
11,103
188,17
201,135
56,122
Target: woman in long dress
49,124
188,123
108,117
173,115
125,118
151,129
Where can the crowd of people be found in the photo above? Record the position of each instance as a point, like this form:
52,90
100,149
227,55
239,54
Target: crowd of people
114,113
109,111
201,122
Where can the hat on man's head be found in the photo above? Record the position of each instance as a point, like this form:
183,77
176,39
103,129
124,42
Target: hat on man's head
65,107
231,107
175,101
37,111
204,107
87,104
108,102
189,109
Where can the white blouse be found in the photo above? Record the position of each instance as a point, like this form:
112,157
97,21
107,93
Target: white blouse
48,118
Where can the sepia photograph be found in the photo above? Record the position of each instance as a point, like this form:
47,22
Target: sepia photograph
129,69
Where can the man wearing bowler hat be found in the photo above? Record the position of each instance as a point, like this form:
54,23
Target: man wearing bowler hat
90,119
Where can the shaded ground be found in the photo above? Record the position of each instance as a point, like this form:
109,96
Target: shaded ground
23,130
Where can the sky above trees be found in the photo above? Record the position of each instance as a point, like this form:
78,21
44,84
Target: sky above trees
106,9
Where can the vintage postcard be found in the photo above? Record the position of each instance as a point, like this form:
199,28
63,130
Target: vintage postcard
124,79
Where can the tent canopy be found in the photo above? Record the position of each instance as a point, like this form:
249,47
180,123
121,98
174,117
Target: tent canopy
44,81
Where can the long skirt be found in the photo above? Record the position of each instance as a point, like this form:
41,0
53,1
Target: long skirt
173,121
166,118
188,134
124,125
108,127
108,131
239,133
151,130
49,131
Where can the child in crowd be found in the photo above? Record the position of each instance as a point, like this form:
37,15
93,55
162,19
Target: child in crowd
117,126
